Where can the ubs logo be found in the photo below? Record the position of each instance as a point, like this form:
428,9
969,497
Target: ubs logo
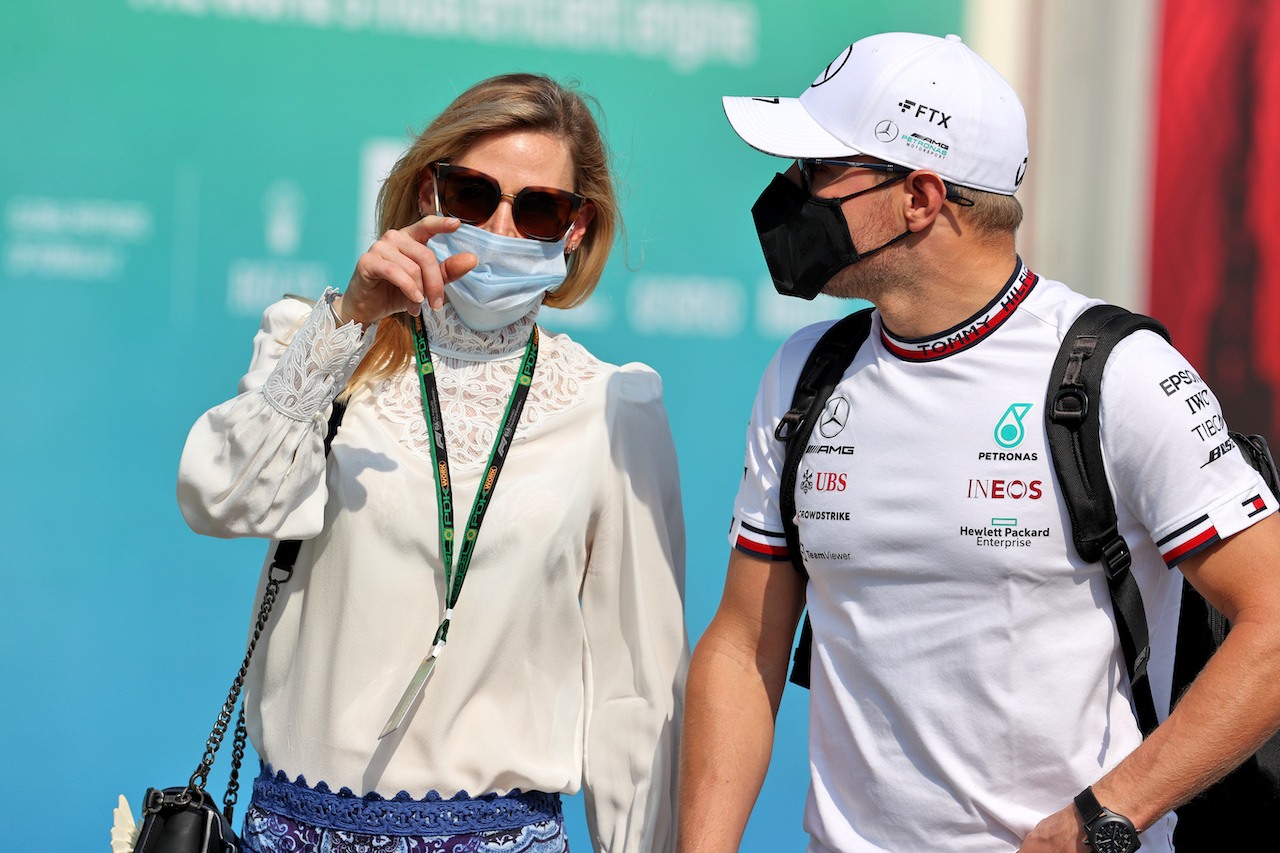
833,418
830,482
823,481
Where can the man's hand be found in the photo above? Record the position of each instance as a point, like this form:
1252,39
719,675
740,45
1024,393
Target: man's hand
1228,712
399,273
1061,832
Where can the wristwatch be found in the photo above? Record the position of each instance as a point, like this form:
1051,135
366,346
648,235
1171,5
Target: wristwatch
1106,831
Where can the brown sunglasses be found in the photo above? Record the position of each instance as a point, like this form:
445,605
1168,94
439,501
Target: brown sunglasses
540,213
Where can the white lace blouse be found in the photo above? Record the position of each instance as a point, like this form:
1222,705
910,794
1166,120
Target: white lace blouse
567,651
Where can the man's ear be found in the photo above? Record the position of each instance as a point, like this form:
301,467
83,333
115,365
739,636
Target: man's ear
923,194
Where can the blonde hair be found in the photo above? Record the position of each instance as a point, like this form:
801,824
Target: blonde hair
990,214
503,103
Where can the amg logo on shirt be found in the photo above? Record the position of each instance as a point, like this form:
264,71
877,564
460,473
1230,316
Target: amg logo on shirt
829,448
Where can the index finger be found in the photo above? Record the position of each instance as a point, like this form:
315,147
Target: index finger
429,226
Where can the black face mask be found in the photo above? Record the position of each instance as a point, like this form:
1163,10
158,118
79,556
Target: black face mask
806,239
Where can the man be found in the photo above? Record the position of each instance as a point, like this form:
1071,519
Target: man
967,682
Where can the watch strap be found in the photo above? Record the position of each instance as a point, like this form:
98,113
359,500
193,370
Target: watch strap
1090,808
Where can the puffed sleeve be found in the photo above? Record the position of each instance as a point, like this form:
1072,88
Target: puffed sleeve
255,465
633,613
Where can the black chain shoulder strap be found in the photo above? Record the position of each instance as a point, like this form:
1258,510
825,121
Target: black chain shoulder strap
281,571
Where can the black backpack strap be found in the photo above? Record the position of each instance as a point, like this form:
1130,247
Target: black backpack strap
827,362
1075,443
1258,454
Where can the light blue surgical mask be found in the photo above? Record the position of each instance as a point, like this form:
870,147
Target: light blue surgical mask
510,279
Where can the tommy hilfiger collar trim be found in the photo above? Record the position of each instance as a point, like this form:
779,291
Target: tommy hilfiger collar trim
971,331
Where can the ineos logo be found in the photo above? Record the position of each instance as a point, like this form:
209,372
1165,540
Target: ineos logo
886,131
1000,489
834,417
834,68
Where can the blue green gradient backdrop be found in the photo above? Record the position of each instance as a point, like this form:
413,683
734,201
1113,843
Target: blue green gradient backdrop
157,154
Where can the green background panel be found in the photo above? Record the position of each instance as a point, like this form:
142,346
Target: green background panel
140,145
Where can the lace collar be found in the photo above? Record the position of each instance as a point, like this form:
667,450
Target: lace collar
452,338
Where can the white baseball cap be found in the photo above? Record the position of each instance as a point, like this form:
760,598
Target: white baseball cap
906,98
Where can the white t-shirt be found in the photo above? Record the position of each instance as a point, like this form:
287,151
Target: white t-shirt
967,675
567,651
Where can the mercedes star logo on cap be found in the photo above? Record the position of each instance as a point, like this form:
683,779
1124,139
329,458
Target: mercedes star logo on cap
833,68
886,131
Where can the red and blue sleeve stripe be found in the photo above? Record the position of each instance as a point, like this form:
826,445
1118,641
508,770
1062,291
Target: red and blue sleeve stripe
764,544
1188,540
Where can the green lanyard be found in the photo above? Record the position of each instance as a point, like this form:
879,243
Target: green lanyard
454,577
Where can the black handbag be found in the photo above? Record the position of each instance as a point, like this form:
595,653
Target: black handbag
177,822
185,819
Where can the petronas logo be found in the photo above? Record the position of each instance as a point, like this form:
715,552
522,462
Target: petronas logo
1010,431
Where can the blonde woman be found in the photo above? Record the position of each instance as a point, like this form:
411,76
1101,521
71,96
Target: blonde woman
487,614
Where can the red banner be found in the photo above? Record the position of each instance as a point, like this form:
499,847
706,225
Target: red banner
1215,264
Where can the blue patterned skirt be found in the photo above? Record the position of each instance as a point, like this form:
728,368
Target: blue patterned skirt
290,817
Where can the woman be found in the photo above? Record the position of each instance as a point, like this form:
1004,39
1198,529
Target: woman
560,663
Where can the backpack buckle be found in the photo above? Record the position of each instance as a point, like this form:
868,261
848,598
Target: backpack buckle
1116,558
1069,407
1140,665
788,425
